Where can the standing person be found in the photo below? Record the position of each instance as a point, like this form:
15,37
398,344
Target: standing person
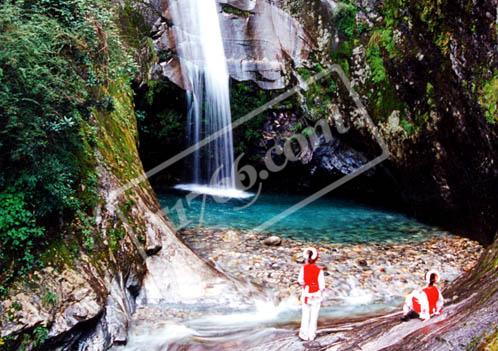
312,280
424,303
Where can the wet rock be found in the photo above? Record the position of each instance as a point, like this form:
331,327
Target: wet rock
272,241
386,268
152,241
261,44
363,263
337,157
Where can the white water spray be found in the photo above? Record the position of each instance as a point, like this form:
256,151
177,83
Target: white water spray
202,57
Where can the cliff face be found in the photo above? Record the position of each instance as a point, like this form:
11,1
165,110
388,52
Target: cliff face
446,56
91,270
424,72
262,43
427,74
85,299
92,289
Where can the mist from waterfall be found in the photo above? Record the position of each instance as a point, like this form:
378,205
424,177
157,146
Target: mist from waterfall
202,57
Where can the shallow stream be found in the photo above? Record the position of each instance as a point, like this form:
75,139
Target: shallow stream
326,219
266,323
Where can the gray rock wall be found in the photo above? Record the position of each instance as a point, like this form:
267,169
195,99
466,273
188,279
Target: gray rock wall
262,43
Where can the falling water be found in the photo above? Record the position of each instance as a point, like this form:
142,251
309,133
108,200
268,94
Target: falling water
204,69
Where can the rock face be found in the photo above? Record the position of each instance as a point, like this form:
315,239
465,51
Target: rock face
329,156
261,41
264,45
72,297
454,153
99,295
85,301
435,126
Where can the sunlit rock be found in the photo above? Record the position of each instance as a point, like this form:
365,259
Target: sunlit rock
262,42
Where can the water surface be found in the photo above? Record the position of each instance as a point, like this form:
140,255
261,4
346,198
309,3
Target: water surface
326,219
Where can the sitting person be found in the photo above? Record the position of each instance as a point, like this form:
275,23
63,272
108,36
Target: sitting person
424,303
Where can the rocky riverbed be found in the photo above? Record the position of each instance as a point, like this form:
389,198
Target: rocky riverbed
355,274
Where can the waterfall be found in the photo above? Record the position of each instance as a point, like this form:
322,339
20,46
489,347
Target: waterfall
205,73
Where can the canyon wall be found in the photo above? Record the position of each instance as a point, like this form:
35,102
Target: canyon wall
427,74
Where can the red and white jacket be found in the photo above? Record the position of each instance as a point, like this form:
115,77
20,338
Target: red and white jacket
426,302
312,279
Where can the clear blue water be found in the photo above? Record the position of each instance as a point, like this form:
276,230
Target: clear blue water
325,220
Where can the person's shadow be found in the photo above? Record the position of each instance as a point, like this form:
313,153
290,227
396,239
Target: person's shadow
312,345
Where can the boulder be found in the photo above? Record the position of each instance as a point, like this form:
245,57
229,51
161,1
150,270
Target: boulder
272,241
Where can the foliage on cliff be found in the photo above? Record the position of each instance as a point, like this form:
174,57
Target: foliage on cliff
427,74
436,44
57,62
412,49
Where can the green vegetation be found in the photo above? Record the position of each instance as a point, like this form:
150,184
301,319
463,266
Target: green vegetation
430,12
383,98
473,344
161,122
246,97
58,62
408,30
380,46
487,341
28,341
235,11
408,126
115,236
489,99
50,299
18,232
443,41
169,124
344,19
37,338
319,95
40,335
349,30
135,33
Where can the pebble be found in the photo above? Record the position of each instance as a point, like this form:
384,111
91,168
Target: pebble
362,263
274,262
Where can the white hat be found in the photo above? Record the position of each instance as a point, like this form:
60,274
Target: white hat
314,253
428,276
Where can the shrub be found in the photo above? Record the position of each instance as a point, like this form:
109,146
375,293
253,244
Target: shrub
489,99
18,233
40,335
57,60
50,299
345,19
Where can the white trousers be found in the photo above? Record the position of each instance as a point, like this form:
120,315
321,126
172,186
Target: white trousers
309,319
